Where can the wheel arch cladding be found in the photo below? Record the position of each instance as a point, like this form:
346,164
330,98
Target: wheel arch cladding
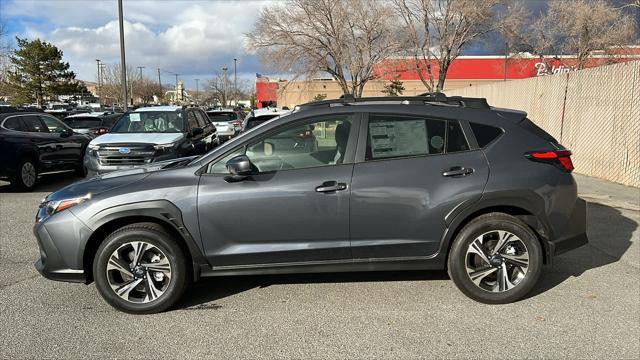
525,215
106,222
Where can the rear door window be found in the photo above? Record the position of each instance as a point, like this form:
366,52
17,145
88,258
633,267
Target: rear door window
456,140
191,119
394,136
202,121
33,124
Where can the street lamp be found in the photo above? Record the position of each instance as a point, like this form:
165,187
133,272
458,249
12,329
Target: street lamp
224,86
235,82
197,96
123,63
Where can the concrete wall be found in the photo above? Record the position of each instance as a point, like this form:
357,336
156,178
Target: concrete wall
299,92
595,113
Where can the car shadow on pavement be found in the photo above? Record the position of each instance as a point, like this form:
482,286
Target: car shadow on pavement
608,230
202,294
46,183
609,233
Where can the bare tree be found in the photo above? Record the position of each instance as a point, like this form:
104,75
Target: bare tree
345,38
436,31
580,28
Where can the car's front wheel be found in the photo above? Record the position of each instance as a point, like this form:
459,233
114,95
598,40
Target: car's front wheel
139,269
495,259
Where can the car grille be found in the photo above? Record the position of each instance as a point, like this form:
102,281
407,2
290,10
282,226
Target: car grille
138,154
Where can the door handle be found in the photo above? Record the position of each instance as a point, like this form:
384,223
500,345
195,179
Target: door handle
458,171
331,186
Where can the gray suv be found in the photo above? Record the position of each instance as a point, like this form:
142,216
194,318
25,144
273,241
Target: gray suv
414,183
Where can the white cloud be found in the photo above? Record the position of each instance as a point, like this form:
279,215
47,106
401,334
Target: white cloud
187,37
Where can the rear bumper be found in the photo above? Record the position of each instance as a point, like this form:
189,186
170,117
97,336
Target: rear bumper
575,235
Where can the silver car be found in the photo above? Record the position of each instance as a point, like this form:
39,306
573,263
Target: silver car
227,122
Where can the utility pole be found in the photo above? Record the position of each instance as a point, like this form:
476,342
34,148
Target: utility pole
506,54
197,95
235,82
98,82
140,68
123,63
224,86
160,95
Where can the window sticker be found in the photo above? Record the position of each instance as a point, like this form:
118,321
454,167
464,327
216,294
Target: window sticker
398,138
134,117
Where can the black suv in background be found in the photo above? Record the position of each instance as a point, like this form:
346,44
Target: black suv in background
413,183
33,143
95,123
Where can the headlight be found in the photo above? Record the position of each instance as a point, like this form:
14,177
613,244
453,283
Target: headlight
164,146
53,207
93,147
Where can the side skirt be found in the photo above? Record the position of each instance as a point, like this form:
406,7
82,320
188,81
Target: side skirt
352,265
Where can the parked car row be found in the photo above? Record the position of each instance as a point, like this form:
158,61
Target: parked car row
35,142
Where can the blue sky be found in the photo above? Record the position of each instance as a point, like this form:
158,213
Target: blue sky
192,38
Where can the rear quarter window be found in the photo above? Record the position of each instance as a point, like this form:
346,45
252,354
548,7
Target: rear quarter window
485,134
13,123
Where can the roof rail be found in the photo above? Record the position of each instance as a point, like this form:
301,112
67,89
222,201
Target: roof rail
422,99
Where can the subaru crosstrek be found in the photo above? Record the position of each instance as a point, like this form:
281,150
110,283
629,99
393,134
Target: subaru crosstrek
413,183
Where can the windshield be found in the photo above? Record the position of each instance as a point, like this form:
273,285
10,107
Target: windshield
150,122
220,117
83,122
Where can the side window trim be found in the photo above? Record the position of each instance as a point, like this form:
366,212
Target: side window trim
21,123
352,142
468,134
364,130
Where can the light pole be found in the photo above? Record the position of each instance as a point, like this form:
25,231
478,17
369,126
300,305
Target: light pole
98,82
160,95
123,63
140,68
197,95
235,82
224,86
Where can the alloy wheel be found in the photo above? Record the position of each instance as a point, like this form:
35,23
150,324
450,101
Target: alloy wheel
28,174
139,272
497,261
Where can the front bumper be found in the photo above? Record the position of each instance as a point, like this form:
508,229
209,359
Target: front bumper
61,239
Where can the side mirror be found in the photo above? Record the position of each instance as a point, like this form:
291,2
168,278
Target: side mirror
196,131
66,133
239,167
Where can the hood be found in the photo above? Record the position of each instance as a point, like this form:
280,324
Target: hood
113,180
137,138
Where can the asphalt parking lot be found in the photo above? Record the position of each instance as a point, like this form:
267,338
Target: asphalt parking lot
586,306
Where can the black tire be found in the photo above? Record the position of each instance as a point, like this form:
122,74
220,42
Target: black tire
18,182
486,224
155,235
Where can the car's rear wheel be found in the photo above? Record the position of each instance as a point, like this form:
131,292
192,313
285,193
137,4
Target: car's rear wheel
26,176
495,259
139,269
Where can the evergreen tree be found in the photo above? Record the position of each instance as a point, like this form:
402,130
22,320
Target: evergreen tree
39,72
395,88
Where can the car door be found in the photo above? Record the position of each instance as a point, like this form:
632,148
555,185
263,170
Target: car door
44,141
69,146
197,140
414,171
295,208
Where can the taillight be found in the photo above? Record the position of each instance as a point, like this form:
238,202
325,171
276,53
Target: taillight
560,158
99,131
